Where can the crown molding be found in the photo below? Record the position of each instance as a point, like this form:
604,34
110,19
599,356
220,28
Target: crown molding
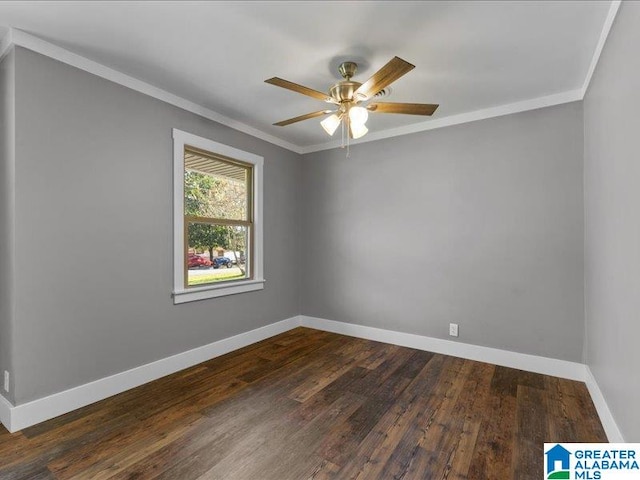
507,109
606,28
483,114
35,44
31,42
6,43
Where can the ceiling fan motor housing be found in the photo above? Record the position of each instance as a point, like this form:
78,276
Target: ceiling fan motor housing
344,91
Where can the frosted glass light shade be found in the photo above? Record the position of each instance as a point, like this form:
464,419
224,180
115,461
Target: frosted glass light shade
358,130
331,124
358,115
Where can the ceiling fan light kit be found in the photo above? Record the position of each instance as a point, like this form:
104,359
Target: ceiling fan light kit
358,130
331,124
358,115
348,94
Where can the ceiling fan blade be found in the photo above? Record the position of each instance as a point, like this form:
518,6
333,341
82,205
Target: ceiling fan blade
408,108
388,74
303,117
310,92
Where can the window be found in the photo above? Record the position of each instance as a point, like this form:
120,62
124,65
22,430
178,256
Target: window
217,219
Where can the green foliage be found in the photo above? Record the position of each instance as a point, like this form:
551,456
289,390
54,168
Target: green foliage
203,236
216,276
198,191
213,197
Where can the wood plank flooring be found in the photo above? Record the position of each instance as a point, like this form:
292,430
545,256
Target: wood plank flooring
314,405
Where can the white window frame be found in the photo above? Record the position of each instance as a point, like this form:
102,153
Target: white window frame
181,294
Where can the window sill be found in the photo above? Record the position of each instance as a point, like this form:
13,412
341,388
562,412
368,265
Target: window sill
213,291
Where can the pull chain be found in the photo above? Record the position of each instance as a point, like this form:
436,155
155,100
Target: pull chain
345,129
348,128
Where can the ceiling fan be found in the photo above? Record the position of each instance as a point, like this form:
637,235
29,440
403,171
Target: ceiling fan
346,95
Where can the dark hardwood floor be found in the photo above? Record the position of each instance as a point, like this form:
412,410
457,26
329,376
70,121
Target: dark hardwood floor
314,405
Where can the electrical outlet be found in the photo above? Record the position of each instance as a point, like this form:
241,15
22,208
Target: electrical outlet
453,329
6,381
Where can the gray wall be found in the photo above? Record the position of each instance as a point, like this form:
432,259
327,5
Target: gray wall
612,225
479,224
7,126
94,220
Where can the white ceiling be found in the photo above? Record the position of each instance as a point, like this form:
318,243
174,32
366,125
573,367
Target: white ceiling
469,55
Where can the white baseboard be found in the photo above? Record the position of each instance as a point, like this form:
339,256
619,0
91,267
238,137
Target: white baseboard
15,418
522,361
25,415
5,412
606,418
